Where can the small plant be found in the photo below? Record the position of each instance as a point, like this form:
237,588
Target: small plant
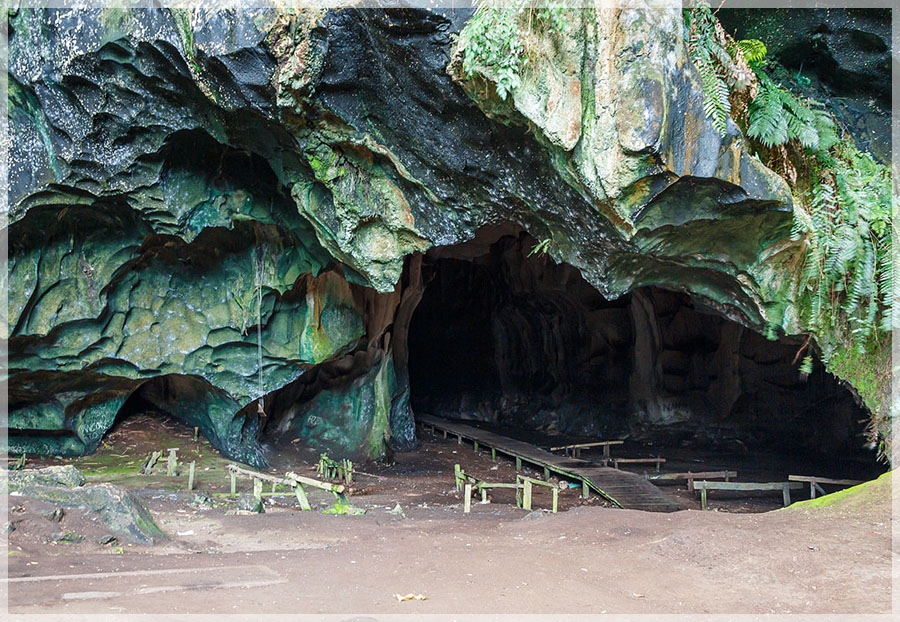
498,38
541,247
777,116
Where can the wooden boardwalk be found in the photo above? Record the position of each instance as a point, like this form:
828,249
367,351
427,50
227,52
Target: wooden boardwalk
626,490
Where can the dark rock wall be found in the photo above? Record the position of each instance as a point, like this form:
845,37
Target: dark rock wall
838,56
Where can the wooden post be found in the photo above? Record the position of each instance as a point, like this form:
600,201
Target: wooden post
786,493
233,483
301,497
657,464
605,453
196,433
190,485
518,463
546,474
459,439
484,498
257,488
172,464
458,473
812,490
703,505
445,433
555,498
476,446
493,454
526,495
468,498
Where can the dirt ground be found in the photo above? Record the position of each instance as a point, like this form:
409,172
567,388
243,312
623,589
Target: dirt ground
588,558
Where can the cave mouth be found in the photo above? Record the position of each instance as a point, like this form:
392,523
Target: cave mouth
507,339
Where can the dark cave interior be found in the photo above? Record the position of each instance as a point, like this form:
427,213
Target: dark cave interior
523,344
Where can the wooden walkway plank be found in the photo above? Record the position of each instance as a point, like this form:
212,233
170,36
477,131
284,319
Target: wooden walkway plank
624,489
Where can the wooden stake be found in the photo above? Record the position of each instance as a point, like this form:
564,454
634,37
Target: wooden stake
301,497
555,498
196,433
585,490
493,454
526,502
546,474
476,446
518,463
172,464
190,485
468,498
257,488
703,505
786,493
233,483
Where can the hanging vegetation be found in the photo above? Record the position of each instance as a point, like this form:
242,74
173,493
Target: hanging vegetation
499,36
843,200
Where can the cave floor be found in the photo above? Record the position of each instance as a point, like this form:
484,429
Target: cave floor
589,558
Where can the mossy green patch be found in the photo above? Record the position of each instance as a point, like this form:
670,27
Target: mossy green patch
868,492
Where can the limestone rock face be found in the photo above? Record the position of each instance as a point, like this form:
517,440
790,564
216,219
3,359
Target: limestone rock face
209,207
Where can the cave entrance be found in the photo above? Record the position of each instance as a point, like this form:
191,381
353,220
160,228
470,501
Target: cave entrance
527,347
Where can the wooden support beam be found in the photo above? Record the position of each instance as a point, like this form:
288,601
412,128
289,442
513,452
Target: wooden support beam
587,445
617,461
745,485
823,480
172,464
302,498
308,481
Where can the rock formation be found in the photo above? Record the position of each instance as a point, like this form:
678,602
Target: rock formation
209,208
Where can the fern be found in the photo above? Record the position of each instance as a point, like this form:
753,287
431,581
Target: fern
847,225
713,63
753,50
777,116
